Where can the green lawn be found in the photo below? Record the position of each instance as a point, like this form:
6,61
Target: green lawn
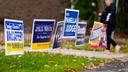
44,62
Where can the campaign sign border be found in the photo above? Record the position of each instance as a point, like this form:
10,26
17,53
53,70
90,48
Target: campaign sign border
85,23
43,49
5,31
65,23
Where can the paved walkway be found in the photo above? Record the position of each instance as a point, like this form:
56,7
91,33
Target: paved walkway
85,53
80,53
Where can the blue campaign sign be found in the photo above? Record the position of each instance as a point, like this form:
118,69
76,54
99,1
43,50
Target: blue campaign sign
42,33
13,30
70,23
81,33
14,36
58,35
14,25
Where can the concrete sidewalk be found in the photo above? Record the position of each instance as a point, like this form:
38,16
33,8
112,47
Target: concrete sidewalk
84,53
79,53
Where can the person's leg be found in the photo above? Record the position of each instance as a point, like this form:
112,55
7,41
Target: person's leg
107,51
117,47
109,32
111,41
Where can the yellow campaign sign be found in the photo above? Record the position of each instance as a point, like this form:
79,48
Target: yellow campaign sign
40,46
95,33
95,37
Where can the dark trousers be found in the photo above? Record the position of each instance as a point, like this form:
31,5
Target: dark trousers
109,39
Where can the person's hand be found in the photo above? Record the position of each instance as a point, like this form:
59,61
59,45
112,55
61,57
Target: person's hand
100,14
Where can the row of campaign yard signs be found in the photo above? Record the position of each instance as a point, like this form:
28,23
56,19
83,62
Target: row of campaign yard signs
46,34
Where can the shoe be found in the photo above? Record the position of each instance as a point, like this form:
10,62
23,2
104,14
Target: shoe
117,49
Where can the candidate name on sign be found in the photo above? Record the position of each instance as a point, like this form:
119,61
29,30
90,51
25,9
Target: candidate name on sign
70,20
43,28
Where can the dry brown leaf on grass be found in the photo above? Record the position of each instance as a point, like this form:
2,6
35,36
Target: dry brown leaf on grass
72,70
